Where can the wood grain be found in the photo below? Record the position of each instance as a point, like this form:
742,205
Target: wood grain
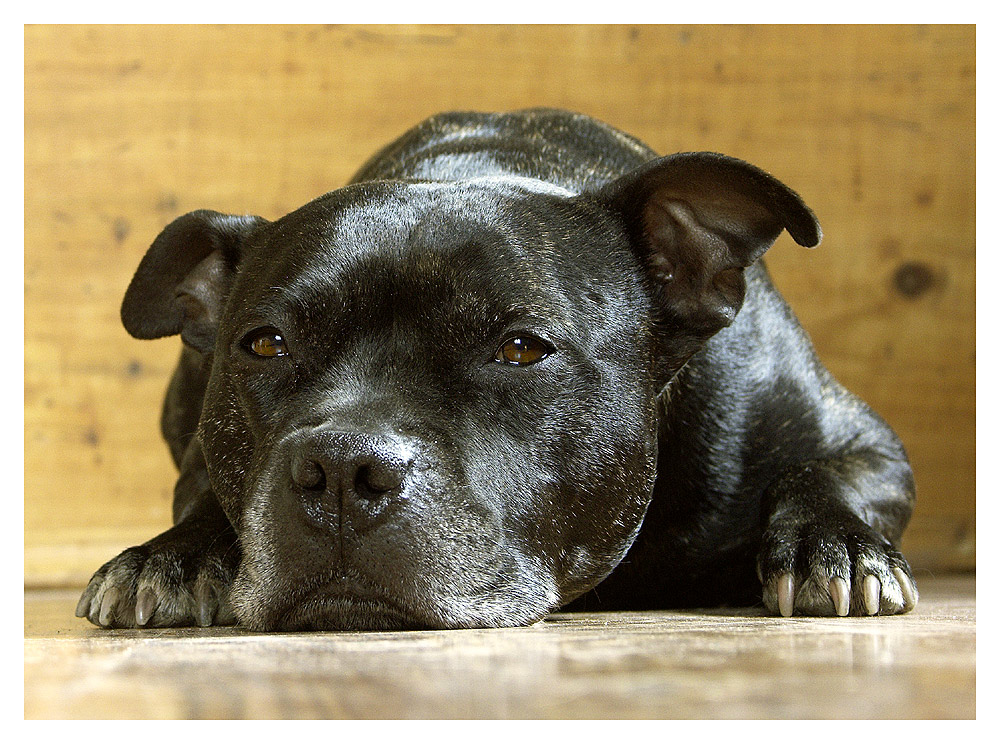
127,127
662,665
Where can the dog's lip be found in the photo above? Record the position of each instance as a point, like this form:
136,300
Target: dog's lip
348,605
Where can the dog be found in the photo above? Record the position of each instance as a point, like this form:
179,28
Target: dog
519,363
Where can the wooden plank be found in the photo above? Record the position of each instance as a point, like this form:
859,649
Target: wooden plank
128,127
697,665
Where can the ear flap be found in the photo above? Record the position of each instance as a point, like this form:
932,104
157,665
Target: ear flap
696,221
182,281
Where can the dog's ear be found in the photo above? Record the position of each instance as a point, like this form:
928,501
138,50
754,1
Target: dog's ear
696,221
184,278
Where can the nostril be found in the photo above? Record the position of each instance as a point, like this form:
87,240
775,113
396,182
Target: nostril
341,469
378,478
308,474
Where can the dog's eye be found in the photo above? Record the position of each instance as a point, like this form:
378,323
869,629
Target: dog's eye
522,350
265,342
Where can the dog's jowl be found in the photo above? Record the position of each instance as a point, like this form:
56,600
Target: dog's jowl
519,357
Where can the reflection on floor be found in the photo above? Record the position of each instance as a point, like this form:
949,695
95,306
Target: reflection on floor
696,664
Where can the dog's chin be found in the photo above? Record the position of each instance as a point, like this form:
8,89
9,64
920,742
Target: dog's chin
347,613
344,601
321,604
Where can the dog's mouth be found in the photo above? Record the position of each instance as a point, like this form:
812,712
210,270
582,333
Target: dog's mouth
340,606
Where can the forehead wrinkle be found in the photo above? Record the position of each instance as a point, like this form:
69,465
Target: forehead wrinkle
487,249
444,287
489,275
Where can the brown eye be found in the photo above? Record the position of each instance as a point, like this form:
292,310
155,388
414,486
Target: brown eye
522,350
265,342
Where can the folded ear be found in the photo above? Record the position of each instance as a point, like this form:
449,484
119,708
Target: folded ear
696,221
184,278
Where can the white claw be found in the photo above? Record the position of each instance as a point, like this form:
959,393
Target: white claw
909,592
872,590
840,593
786,594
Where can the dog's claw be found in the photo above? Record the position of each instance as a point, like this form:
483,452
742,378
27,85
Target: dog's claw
145,605
907,588
83,606
786,594
840,593
205,616
872,590
206,604
107,606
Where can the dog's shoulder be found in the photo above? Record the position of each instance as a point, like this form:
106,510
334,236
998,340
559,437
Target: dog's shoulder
757,393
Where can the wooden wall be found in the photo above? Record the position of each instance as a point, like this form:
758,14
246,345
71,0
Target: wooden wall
128,127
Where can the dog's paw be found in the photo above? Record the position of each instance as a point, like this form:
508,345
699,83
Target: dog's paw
833,569
163,583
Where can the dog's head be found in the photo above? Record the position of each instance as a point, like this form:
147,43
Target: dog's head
435,404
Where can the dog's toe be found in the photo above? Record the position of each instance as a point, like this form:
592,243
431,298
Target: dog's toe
109,597
155,586
832,570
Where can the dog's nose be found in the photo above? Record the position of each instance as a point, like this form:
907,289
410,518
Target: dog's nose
351,467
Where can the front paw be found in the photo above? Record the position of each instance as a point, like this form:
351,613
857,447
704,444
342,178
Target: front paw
822,568
180,578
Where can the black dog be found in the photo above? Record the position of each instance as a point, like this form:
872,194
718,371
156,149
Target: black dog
518,358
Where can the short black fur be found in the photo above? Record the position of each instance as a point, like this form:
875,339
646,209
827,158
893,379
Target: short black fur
671,441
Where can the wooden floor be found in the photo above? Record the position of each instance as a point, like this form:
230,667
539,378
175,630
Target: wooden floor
716,664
